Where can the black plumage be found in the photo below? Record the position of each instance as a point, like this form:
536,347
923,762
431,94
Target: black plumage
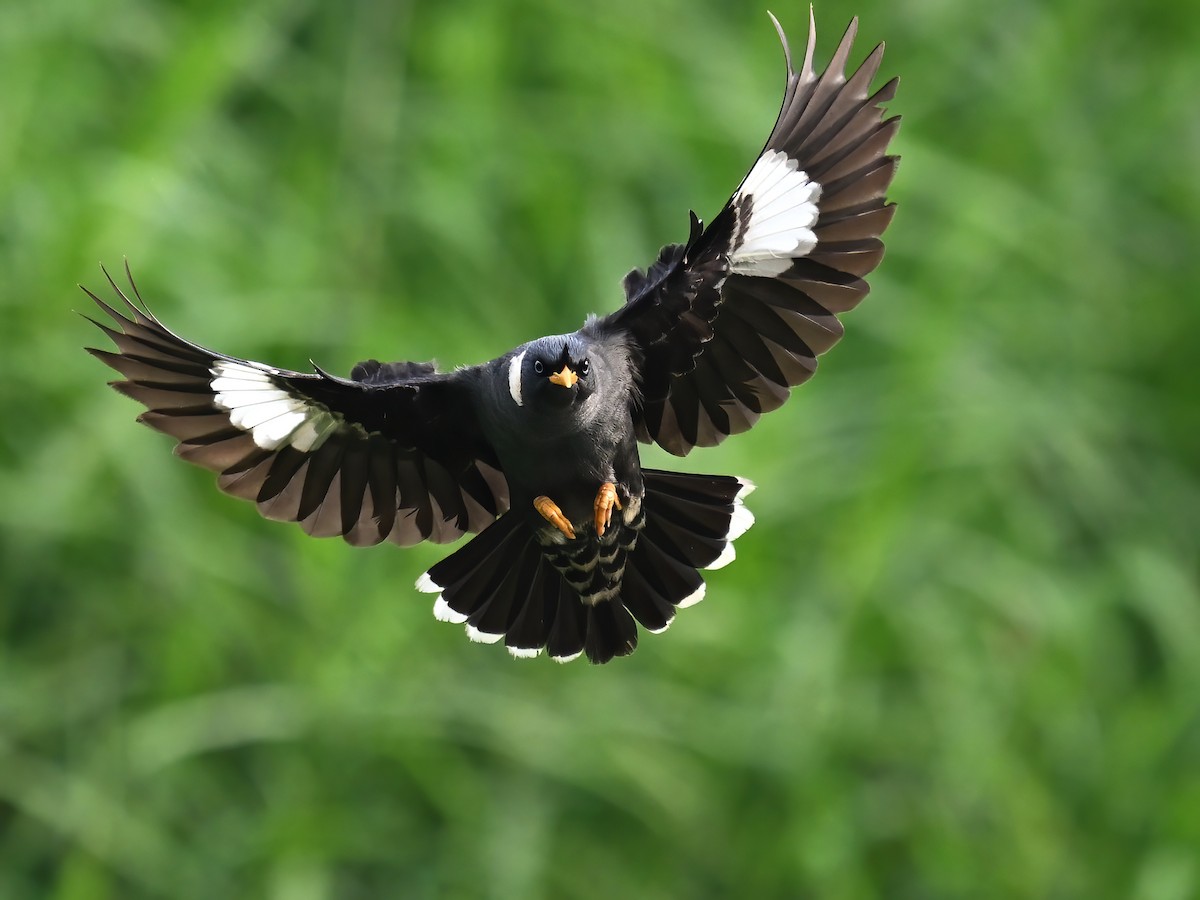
536,451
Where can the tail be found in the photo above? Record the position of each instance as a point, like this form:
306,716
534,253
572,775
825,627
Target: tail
502,587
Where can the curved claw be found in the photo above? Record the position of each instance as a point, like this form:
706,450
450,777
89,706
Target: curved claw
549,511
606,499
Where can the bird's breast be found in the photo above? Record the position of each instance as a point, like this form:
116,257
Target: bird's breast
559,465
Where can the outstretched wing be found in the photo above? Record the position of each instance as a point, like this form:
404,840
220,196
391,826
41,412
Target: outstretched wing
394,452
730,321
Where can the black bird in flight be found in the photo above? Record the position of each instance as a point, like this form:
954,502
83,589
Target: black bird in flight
537,450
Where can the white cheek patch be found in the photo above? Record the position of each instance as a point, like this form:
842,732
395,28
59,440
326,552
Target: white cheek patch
514,378
272,416
783,211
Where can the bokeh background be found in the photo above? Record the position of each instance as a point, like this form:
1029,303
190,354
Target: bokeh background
959,654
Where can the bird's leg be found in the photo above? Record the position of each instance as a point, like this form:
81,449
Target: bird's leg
606,499
551,513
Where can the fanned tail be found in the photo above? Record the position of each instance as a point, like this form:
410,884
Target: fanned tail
501,585
691,524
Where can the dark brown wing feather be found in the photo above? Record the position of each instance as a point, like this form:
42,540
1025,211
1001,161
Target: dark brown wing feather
394,453
728,323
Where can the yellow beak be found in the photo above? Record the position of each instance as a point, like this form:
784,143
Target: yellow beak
566,377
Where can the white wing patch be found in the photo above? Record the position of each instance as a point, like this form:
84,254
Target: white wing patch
272,416
514,378
783,211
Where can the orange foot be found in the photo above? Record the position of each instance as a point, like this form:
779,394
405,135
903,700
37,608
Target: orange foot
551,513
606,499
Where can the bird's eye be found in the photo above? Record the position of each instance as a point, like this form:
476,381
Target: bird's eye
538,368
583,369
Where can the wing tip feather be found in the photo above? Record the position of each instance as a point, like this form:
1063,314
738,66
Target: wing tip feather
806,71
787,51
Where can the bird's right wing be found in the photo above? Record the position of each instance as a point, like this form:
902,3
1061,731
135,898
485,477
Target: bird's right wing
394,452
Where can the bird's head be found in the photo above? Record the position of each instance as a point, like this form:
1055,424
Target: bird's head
552,373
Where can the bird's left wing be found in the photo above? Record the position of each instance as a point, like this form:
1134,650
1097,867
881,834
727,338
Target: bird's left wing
729,322
394,452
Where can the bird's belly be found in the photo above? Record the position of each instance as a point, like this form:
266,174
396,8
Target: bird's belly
568,471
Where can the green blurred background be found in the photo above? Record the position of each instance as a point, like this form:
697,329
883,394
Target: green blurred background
959,654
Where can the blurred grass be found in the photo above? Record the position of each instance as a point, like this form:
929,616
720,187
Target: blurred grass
958,655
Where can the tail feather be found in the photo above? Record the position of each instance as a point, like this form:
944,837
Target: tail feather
530,629
699,516
685,485
497,614
503,584
684,544
569,630
468,579
611,631
670,577
652,610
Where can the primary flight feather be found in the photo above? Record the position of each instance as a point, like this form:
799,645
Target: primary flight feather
537,450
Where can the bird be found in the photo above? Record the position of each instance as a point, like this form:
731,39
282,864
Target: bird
576,545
